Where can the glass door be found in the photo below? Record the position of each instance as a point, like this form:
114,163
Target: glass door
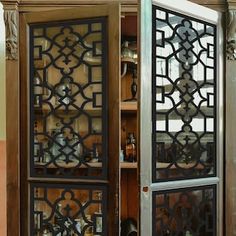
72,156
181,115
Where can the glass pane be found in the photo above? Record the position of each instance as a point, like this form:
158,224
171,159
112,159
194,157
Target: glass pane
68,99
68,210
186,212
184,97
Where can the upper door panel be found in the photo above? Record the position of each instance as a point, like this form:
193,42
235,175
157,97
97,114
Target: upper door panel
68,81
184,88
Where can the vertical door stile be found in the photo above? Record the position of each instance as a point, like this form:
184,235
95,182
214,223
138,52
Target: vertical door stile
145,111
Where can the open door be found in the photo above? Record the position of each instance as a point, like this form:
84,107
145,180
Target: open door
181,119
70,121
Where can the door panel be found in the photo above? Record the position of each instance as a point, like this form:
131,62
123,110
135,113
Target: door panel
181,119
62,209
69,149
184,72
188,211
69,99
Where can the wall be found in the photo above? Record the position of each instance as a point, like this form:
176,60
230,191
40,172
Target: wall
2,79
2,129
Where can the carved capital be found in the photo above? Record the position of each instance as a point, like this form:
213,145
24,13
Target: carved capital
231,35
10,18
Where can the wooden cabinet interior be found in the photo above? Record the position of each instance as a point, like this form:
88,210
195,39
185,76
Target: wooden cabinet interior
129,174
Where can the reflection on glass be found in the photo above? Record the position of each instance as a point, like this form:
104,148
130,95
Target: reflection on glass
184,80
188,212
68,211
68,98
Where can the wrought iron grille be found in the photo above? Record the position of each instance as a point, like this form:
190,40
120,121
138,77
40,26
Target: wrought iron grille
185,212
184,96
68,210
69,99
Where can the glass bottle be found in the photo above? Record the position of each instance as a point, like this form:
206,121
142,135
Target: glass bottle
99,218
57,217
37,219
130,148
64,91
121,155
188,233
38,89
46,233
36,149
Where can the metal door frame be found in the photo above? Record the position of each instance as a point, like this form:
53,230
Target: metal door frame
147,187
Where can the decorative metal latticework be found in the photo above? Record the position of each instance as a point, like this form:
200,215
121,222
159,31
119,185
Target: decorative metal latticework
184,96
185,212
68,210
68,99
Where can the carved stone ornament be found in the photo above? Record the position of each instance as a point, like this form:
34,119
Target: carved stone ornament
231,35
11,34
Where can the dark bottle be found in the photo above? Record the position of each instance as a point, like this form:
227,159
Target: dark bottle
38,89
58,217
130,148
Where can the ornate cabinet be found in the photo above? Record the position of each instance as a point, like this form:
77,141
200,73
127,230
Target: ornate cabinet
96,80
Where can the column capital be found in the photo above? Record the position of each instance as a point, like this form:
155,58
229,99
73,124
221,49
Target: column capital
231,35
11,26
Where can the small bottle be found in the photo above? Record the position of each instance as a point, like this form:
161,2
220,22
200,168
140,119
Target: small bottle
188,233
36,149
57,217
63,93
99,224
78,225
121,155
46,233
130,148
37,219
38,89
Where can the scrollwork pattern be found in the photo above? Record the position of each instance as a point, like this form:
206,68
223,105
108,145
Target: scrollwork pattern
184,101
68,98
68,210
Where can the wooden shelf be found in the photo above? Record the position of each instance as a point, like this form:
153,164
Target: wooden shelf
128,165
69,165
123,165
129,106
